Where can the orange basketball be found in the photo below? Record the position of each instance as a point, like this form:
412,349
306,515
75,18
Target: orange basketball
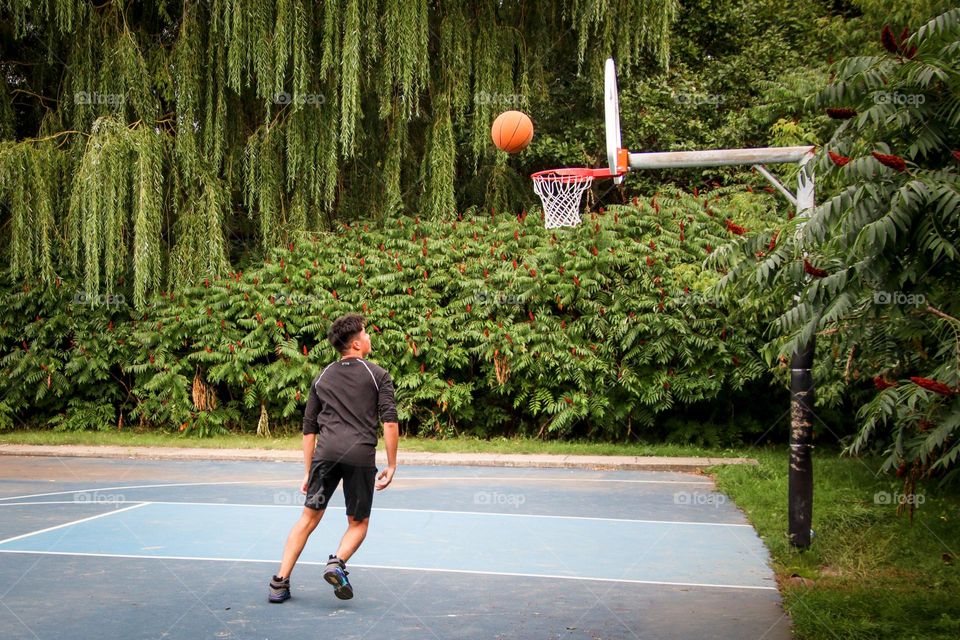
512,131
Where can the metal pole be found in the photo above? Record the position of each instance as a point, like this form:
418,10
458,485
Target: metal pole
800,474
718,157
800,477
772,179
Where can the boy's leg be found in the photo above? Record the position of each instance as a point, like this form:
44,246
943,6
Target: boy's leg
352,537
297,538
280,583
358,485
336,571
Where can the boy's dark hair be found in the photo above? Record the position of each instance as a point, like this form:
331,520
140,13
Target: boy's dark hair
343,330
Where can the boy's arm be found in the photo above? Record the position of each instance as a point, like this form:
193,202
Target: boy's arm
310,430
391,430
391,436
309,443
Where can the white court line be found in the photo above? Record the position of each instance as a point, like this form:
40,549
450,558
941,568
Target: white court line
546,478
73,522
389,567
397,479
144,486
400,510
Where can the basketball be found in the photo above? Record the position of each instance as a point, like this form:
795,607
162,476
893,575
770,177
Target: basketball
512,131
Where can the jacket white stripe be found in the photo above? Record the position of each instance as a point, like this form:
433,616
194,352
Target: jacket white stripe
372,377
321,374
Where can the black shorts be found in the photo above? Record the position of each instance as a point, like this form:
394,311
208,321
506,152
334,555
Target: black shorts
358,483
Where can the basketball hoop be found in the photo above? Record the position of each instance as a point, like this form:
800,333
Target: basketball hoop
560,190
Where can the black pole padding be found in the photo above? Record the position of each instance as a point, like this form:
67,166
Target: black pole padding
800,477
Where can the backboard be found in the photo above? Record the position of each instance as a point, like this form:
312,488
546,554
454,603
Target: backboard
611,109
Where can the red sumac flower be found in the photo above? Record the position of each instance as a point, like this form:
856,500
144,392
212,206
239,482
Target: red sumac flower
932,385
888,40
841,113
894,162
773,240
882,383
813,271
734,228
838,159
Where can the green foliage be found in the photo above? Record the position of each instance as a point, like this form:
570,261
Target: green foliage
186,133
84,416
490,324
875,266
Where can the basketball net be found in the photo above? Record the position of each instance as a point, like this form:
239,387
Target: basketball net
561,195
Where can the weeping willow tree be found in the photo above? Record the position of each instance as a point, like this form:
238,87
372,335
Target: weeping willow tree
142,143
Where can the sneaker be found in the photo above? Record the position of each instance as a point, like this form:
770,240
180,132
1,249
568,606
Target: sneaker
279,589
336,574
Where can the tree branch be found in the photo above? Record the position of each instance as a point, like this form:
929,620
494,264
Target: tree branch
941,314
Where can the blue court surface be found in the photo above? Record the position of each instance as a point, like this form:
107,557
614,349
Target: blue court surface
94,548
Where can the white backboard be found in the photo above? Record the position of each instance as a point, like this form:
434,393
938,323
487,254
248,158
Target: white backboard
611,110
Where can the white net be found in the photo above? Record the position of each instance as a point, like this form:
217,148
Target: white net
561,196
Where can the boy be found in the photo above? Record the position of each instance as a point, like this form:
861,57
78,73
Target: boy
339,443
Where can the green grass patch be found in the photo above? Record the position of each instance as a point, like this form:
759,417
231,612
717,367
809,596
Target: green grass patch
875,574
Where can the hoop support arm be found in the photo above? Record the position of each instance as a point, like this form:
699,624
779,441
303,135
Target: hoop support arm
717,157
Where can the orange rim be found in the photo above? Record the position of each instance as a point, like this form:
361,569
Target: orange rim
571,174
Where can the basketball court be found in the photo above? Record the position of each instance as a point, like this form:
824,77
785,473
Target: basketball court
185,549
174,549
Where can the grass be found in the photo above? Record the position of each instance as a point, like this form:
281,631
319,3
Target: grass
875,574
292,441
